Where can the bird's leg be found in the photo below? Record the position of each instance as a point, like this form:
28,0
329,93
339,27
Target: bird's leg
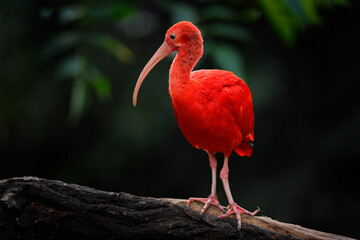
212,199
233,208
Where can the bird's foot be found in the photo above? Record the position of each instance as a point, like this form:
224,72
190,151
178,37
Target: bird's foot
211,200
236,209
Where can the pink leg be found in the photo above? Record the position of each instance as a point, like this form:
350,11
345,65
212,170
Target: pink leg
212,199
233,207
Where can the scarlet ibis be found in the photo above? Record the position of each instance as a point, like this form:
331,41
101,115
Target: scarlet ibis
213,108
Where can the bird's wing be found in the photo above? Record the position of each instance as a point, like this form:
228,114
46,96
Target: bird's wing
237,98
232,93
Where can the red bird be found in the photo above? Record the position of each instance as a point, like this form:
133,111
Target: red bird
213,108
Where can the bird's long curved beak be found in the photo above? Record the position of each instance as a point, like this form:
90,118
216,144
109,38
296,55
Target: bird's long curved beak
162,52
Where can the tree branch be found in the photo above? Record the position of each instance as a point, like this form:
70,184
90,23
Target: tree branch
34,208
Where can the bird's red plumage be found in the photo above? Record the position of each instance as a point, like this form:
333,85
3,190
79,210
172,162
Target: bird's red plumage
215,113
212,107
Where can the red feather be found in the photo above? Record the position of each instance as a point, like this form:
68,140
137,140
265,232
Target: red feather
215,113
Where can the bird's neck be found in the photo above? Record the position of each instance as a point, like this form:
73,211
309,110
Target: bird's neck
182,66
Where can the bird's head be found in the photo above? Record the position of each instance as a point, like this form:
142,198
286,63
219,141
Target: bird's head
182,36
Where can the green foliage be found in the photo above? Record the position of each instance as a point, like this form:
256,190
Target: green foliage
73,42
227,57
113,46
79,30
289,17
80,66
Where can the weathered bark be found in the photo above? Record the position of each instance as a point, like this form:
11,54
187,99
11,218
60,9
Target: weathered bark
34,208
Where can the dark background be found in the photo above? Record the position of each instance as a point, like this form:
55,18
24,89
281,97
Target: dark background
67,73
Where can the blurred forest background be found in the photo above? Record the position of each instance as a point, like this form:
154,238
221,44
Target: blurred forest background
67,73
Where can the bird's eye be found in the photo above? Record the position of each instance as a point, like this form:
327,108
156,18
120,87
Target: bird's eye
172,36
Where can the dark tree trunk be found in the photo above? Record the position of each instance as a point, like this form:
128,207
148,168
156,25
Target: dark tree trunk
34,208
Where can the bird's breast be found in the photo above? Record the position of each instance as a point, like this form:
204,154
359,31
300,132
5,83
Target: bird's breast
205,124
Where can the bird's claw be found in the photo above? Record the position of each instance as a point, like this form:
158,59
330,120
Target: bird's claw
211,200
236,209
